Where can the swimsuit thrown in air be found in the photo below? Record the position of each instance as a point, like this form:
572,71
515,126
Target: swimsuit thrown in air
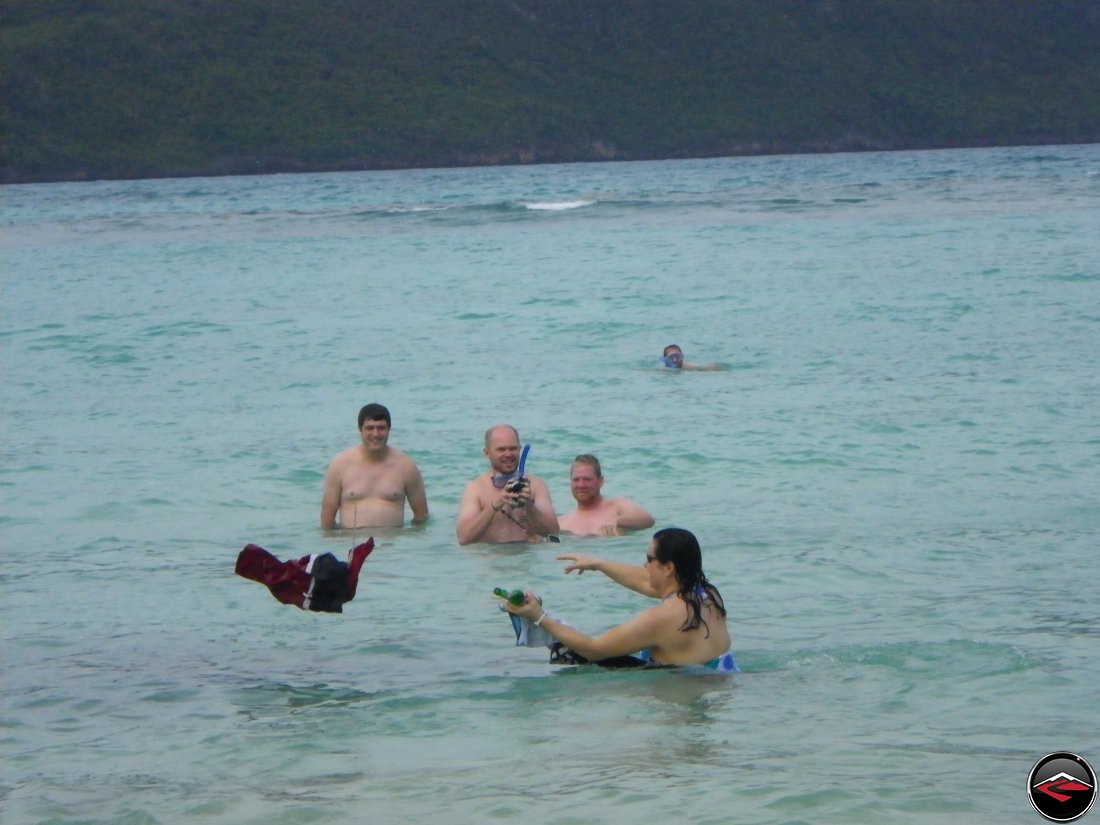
318,582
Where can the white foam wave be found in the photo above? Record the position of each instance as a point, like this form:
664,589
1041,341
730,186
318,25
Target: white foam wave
559,206
404,209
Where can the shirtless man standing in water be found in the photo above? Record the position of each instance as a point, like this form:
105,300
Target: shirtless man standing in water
491,511
596,515
369,483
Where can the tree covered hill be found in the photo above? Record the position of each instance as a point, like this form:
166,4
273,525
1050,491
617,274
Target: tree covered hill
151,88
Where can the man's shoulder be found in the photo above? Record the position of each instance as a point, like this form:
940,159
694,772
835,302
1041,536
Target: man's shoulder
605,505
475,490
344,456
621,501
478,482
401,456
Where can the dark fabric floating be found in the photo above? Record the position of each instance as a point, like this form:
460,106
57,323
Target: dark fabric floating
561,655
321,582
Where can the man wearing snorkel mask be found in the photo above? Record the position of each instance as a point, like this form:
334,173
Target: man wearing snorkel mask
504,504
673,358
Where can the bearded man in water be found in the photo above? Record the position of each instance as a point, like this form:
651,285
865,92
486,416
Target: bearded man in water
596,515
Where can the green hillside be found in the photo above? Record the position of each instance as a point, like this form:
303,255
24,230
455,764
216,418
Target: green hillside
151,88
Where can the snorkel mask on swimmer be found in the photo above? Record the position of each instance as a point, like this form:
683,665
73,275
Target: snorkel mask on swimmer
675,360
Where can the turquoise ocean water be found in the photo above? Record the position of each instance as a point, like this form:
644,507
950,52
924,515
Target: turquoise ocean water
895,481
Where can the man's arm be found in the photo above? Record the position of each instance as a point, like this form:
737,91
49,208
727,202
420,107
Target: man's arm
473,519
417,495
630,516
703,367
330,496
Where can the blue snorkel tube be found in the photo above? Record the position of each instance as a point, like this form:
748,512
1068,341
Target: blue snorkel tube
518,476
522,460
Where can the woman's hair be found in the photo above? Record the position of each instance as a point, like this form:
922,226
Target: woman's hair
681,548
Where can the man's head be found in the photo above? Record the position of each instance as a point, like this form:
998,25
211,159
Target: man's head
585,478
374,412
502,448
374,426
673,356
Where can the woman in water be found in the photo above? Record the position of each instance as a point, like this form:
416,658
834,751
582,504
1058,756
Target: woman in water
687,627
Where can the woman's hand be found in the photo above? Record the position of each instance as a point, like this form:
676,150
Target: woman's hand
530,609
580,563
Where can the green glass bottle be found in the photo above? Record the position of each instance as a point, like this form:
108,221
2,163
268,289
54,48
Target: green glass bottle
516,597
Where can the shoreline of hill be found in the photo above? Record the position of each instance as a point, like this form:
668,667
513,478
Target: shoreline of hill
277,166
526,157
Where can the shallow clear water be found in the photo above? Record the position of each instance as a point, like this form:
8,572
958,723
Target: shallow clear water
895,482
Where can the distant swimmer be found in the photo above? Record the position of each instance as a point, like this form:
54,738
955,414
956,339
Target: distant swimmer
368,484
596,515
673,358
687,627
503,504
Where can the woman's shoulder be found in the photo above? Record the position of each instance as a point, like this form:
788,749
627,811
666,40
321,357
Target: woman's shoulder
674,608
666,610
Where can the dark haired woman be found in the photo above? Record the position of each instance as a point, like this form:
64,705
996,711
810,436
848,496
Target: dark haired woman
688,627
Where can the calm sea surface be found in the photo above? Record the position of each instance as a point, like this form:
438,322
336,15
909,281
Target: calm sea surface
895,480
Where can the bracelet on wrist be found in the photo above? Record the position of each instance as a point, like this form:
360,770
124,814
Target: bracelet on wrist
538,621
